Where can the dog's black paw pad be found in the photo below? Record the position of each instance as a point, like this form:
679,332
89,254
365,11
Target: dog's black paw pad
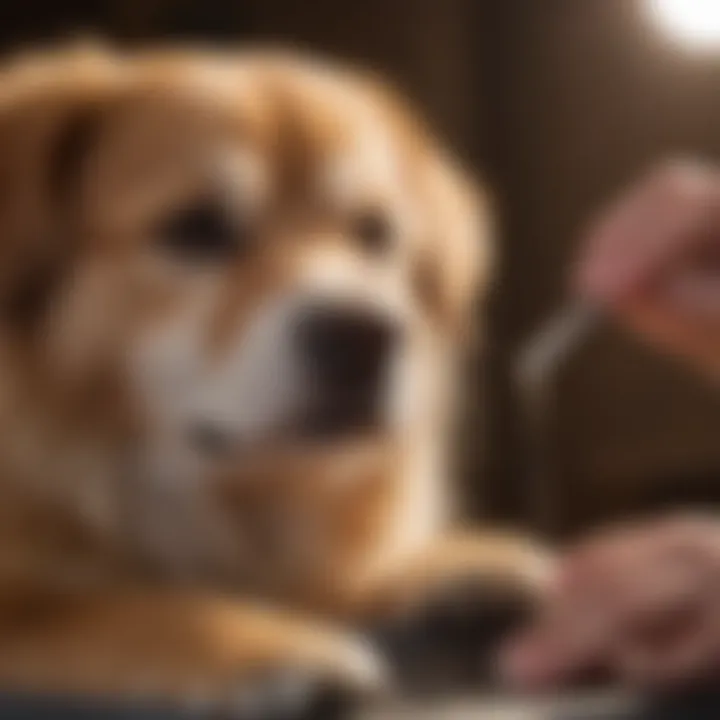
450,642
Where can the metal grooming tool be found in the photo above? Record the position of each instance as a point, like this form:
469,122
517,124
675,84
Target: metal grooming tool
546,352
534,374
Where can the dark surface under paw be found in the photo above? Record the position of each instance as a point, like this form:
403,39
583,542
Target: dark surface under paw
450,642
286,697
695,704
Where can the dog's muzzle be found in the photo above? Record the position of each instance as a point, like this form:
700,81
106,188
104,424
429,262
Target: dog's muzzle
346,353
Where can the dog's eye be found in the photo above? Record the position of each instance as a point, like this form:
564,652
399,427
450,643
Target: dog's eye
374,230
202,232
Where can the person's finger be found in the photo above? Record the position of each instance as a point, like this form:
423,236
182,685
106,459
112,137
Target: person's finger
647,229
672,567
684,646
542,660
527,662
671,628
625,548
594,562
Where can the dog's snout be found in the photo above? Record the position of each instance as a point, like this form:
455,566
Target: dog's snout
347,348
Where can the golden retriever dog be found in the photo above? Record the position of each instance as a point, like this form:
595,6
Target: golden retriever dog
234,292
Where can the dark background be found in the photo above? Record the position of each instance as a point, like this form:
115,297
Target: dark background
558,103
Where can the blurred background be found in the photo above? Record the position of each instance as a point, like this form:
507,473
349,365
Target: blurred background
559,103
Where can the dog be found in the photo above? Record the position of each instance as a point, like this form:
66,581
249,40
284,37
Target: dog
235,289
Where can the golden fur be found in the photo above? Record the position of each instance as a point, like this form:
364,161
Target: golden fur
115,574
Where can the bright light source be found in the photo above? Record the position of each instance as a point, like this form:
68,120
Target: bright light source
695,22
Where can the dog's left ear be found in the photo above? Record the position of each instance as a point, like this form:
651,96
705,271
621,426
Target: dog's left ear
46,137
455,261
456,265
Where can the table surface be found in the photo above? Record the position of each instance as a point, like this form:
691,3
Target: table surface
591,707
609,706
693,705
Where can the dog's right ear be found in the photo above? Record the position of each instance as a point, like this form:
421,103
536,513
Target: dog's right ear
49,125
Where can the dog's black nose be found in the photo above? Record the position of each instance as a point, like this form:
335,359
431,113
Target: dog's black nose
347,351
346,348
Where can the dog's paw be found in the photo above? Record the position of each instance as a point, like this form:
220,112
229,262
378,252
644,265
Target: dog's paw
444,635
450,641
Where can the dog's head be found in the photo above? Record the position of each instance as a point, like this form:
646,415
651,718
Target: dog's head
243,253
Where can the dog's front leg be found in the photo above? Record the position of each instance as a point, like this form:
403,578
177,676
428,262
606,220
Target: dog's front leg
441,616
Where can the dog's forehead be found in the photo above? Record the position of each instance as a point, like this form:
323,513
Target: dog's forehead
317,108
329,132
326,123
182,127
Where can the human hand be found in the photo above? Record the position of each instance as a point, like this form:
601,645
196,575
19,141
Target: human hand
641,603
